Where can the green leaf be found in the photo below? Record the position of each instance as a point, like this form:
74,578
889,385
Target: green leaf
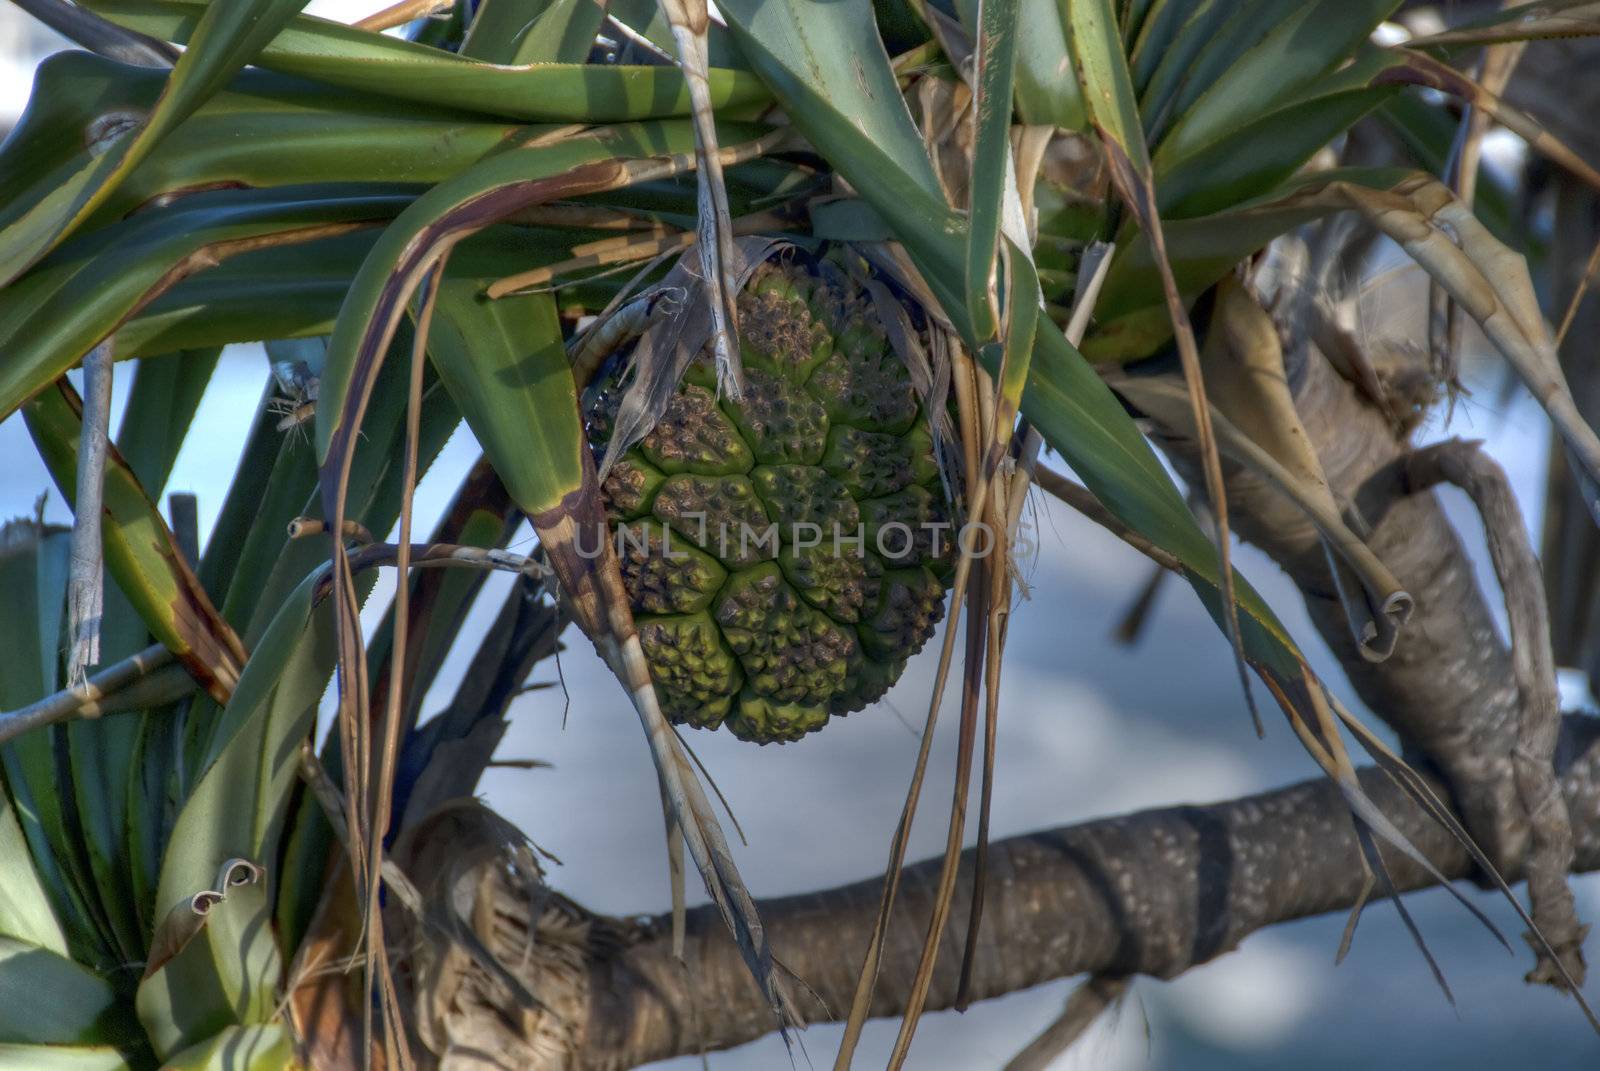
1134,14
53,317
25,910
33,571
992,172
47,999
266,1047
499,27
849,219
387,66
139,549
563,32
309,845
228,973
506,366
1158,40
483,516
151,801
512,180
100,755
1108,87
1047,92
1309,41
61,1058
223,40
262,483
1209,37
272,564
263,129
1251,159
830,54
287,292
296,291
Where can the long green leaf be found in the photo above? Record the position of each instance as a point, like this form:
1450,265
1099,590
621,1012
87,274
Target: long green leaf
287,292
1310,40
61,1058
993,179
1047,92
499,27
1170,74
267,1047
528,175
1159,40
33,571
1250,160
140,551
25,910
262,473
376,63
227,974
47,999
223,39
296,291
562,33
53,317
262,129
505,364
800,47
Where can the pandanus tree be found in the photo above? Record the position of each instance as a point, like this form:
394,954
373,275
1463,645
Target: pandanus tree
795,268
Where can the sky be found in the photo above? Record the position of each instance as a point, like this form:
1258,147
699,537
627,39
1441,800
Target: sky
1088,728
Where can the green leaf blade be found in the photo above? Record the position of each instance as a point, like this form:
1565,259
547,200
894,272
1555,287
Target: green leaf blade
224,39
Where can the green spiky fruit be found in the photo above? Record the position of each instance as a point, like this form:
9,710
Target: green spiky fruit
750,610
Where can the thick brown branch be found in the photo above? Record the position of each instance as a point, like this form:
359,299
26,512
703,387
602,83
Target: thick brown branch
1155,892
1448,689
1550,851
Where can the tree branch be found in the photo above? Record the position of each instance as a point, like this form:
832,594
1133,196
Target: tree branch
1448,689
1156,892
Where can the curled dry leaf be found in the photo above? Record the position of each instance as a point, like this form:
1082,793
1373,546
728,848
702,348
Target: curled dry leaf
187,918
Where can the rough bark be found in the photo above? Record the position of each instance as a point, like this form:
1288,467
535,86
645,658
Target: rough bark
1550,831
1155,892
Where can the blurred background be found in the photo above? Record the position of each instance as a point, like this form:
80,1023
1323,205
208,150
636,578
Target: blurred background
1089,727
